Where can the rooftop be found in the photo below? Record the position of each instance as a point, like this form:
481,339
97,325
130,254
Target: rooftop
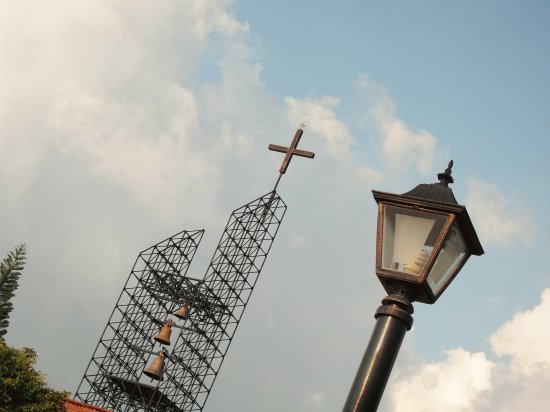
75,406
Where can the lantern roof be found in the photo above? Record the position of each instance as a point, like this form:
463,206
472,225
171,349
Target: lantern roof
437,192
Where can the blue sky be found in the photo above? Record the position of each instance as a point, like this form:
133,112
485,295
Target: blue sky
121,124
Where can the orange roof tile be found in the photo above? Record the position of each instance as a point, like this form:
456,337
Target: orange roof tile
76,406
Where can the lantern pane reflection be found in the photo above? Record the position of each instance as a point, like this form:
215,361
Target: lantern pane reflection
452,255
409,236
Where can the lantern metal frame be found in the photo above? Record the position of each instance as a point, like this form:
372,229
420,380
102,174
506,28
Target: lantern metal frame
415,287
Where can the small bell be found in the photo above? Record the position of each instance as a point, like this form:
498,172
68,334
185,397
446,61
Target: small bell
182,312
157,367
163,336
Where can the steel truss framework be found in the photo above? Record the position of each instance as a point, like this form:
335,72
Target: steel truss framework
158,284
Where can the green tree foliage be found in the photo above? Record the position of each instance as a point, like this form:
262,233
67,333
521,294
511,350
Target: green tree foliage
10,270
22,388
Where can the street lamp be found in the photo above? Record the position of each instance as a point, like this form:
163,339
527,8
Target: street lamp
424,237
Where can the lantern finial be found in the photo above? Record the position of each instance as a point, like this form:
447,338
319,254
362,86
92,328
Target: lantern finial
445,178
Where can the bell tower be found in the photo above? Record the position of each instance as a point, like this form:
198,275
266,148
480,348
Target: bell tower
168,334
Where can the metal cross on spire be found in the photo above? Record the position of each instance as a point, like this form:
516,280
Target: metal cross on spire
291,151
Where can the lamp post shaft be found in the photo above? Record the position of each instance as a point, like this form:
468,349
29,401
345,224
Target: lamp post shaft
393,319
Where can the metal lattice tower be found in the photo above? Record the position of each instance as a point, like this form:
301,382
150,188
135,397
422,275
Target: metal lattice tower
157,286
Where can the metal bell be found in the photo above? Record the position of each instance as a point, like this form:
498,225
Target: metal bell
157,367
163,336
182,312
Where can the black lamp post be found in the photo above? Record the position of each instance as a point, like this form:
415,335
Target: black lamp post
424,237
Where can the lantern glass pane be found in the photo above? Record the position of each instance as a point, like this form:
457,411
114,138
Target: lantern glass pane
409,236
452,254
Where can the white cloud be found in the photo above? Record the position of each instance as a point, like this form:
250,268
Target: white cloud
465,381
104,84
402,146
522,376
498,220
321,118
453,385
143,147
526,338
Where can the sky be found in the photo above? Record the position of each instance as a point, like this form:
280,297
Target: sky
123,123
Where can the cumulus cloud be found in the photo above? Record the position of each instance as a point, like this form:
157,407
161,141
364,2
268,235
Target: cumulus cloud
498,219
525,339
453,385
321,118
105,85
517,380
403,147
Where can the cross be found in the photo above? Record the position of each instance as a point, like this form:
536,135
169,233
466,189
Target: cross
291,151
